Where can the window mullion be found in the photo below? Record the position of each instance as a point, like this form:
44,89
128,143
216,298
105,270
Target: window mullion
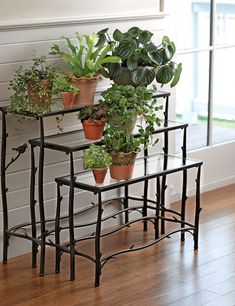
211,72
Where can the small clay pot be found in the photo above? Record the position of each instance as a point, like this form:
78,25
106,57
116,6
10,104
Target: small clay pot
99,174
68,99
93,129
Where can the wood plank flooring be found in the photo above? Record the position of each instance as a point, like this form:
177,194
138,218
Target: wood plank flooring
169,273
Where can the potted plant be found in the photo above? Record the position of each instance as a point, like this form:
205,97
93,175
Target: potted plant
123,103
123,148
97,159
86,59
141,60
62,85
31,88
93,119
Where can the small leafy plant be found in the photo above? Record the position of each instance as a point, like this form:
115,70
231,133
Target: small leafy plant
92,112
62,83
85,57
96,157
141,57
117,141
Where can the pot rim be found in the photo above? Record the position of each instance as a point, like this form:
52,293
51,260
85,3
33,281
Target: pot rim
93,78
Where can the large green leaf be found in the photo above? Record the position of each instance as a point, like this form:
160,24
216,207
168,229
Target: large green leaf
165,40
165,74
143,76
177,74
156,57
117,35
145,37
151,47
126,48
114,70
134,31
132,63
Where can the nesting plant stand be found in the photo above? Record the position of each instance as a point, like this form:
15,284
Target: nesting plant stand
149,167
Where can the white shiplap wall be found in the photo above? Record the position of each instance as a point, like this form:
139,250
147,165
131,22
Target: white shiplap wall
18,44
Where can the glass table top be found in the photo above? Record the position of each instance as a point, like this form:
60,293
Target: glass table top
74,141
145,168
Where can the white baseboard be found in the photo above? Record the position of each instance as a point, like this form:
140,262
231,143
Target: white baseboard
205,187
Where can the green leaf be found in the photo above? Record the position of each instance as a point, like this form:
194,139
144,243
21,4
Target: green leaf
114,70
103,31
126,48
145,37
132,64
90,64
134,31
143,76
117,35
164,75
101,41
151,48
177,74
111,59
156,57
165,40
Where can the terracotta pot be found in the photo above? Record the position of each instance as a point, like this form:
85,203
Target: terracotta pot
99,174
93,129
68,99
40,93
87,88
122,165
122,172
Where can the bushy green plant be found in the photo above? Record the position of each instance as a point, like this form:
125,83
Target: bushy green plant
92,112
84,58
145,60
62,83
121,141
96,157
123,102
34,75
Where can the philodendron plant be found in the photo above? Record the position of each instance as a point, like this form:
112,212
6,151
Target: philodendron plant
145,60
84,57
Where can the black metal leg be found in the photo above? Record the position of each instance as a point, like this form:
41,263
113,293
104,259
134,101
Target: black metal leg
198,208
145,204
41,199
97,242
126,204
57,231
183,202
158,201
71,220
163,190
32,209
4,188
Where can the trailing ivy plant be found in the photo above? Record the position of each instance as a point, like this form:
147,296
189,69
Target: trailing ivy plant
39,71
145,60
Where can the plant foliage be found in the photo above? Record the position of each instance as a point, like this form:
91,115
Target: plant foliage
84,57
96,157
145,60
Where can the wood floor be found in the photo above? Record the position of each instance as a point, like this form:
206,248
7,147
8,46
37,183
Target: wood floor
169,273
